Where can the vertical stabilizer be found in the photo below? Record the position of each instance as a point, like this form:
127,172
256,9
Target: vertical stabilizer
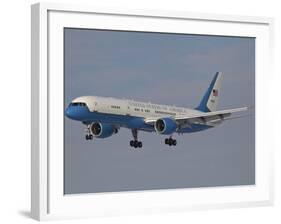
209,101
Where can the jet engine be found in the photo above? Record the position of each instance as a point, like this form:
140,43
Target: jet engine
102,130
165,126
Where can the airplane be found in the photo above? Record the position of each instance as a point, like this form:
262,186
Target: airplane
104,116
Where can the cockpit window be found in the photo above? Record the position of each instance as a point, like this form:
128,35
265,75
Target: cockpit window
78,104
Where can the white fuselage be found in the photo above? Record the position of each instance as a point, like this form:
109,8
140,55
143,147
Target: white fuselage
110,105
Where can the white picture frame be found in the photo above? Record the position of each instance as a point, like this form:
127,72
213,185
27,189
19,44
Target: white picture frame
47,198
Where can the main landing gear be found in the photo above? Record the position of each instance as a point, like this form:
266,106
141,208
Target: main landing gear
135,143
170,141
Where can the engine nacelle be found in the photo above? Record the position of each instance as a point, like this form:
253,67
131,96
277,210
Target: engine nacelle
102,130
165,126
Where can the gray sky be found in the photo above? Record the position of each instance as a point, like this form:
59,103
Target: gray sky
168,69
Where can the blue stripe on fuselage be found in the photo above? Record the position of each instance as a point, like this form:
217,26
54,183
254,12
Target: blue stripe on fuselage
195,128
83,114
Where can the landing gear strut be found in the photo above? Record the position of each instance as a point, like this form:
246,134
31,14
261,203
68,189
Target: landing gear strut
170,141
135,143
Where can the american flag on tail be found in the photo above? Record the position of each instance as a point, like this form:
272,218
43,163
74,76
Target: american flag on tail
215,92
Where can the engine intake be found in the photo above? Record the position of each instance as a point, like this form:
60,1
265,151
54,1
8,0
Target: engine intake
165,126
101,130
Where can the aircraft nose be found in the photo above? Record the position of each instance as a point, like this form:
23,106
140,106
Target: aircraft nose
69,112
72,112
76,112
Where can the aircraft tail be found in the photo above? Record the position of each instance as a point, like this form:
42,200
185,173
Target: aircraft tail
209,101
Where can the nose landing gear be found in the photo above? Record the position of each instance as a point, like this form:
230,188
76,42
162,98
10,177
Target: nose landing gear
88,135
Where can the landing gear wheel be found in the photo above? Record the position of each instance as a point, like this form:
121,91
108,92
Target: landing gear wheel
166,141
132,143
135,143
170,141
174,142
139,144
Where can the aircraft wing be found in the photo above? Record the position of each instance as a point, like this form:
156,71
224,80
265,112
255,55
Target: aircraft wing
202,117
